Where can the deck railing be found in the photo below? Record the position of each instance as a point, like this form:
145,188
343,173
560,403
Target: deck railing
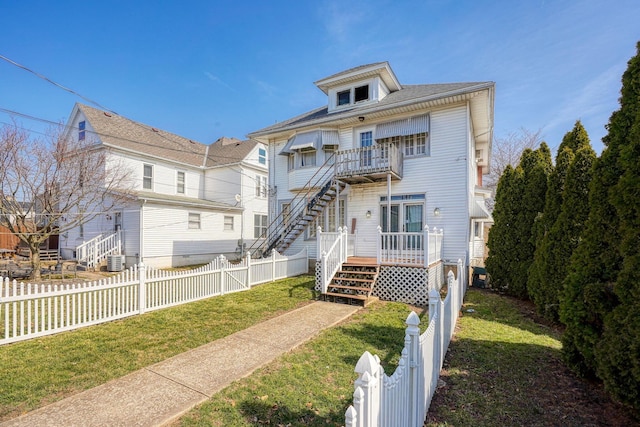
414,248
377,158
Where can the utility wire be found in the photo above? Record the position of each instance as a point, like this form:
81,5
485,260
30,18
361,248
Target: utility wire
45,78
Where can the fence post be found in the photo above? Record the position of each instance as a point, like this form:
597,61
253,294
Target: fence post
412,337
273,265
248,257
142,289
434,300
368,382
222,274
351,416
323,272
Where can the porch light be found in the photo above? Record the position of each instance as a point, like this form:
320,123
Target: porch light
436,212
368,214
361,118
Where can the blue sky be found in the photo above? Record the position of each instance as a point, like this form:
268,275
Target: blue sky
206,69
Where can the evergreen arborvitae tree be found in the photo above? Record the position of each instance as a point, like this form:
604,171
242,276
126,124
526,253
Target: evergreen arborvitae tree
599,305
618,354
501,242
555,242
536,166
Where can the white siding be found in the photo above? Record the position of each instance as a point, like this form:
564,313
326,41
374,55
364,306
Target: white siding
170,241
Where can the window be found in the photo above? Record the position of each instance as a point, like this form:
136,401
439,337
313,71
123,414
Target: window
307,158
362,93
411,145
329,151
147,177
228,223
291,162
344,97
327,219
261,186
194,221
259,226
180,183
262,156
81,130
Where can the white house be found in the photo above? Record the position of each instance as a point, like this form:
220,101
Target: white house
399,158
192,201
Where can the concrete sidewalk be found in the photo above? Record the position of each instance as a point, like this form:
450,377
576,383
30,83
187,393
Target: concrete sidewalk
160,393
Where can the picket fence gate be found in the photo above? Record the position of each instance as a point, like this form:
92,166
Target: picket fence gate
403,398
34,310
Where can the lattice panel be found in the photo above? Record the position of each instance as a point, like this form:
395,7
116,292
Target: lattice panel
317,287
409,285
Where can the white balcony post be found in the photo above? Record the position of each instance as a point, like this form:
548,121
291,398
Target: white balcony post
426,247
379,244
318,242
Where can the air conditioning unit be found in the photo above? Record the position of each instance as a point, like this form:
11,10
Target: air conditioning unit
115,262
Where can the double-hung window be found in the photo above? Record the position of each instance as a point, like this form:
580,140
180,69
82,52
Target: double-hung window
194,221
307,158
262,156
259,226
261,186
147,177
228,223
180,182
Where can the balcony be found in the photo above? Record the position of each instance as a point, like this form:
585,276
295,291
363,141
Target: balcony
369,164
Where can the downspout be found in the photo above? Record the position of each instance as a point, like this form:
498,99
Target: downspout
470,158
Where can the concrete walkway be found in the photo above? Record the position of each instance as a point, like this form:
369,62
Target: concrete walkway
161,393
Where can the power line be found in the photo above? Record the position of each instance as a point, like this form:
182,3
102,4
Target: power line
47,79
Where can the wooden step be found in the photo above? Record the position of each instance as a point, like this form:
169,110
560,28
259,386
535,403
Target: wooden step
355,288
356,272
353,279
341,295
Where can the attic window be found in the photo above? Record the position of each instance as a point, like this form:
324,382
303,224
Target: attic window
81,130
344,97
362,93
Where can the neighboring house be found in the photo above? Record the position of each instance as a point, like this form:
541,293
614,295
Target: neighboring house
399,157
192,201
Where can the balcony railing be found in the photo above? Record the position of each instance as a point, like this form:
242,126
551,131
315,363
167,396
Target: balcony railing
371,163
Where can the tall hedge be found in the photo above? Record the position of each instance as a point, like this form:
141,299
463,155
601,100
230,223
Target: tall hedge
501,241
618,354
520,198
600,304
558,229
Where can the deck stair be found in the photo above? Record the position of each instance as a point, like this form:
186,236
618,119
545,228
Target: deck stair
353,284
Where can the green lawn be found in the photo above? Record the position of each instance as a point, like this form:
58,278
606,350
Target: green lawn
40,371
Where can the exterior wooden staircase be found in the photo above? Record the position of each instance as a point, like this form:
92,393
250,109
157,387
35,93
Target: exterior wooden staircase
353,283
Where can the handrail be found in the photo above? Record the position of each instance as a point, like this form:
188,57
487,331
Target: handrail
300,205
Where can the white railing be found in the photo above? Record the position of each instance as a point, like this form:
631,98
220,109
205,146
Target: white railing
403,398
332,253
362,161
414,248
29,311
97,249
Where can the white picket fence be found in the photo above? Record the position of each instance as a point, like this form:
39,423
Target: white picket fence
403,398
34,310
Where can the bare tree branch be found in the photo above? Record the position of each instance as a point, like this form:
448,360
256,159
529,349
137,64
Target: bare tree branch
53,184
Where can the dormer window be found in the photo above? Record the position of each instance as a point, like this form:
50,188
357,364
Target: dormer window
362,93
344,97
81,131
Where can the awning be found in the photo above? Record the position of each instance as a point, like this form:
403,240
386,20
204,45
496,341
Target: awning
479,210
404,127
315,139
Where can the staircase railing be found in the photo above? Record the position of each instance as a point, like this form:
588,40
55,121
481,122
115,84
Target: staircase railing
333,256
97,249
301,205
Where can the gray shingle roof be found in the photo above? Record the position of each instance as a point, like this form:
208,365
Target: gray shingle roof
407,94
120,132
